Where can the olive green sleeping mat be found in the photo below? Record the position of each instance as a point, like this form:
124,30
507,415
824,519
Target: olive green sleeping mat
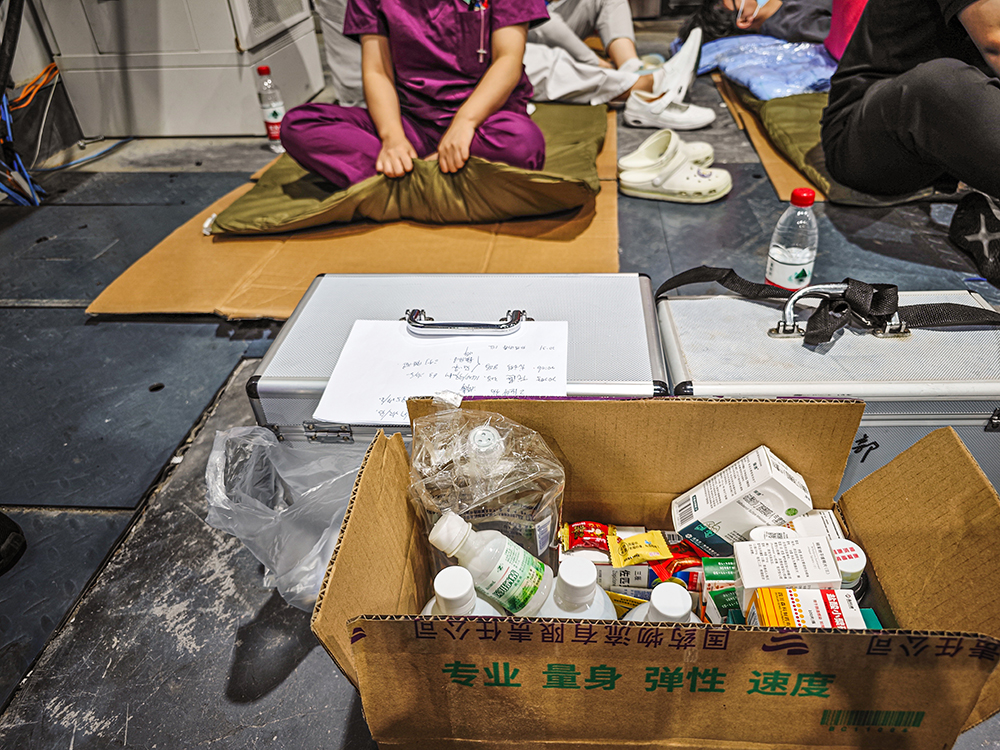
288,197
792,124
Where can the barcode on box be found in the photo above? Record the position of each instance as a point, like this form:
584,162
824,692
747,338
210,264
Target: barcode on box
907,719
685,514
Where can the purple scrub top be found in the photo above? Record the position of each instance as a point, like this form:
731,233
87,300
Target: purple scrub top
435,48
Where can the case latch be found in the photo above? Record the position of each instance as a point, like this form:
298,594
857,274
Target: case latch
323,432
894,329
993,423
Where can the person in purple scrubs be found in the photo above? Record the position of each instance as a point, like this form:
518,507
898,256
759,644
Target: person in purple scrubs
443,79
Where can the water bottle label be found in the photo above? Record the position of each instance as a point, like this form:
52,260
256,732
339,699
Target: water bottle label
272,121
515,579
788,275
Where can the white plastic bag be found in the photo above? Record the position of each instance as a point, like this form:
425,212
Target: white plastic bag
284,501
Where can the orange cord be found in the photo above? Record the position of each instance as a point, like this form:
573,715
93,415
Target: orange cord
36,84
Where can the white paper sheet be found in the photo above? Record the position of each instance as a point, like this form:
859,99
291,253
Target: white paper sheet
382,365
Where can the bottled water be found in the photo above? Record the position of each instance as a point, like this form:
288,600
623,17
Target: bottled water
792,253
271,106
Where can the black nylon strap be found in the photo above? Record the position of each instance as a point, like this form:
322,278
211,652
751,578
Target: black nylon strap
871,305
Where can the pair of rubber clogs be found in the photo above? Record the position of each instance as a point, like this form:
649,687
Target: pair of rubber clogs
665,168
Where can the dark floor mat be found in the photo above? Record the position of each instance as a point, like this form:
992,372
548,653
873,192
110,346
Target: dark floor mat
196,189
95,411
65,549
93,228
178,642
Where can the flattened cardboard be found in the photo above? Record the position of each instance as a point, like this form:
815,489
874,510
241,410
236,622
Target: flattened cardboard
929,524
782,173
382,561
252,277
493,683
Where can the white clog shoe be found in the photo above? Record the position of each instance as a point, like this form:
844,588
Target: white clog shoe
679,181
645,110
661,146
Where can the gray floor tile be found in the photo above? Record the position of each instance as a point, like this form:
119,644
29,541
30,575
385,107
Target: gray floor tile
65,549
98,410
195,189
74,252
177,645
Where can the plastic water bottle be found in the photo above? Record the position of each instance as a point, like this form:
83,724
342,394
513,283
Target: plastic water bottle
577,595
455,594
271,106
793,245
502,570
668,602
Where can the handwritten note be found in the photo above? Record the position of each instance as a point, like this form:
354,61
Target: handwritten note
382,365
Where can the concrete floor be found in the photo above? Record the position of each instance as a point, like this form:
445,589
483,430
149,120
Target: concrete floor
162,635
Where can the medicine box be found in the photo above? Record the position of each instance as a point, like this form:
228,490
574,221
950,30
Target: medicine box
757,490
456,683
818,522
804,562
805,608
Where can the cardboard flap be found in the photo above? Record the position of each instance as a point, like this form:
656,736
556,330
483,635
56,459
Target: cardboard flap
380,532
929,522
625,460
576,683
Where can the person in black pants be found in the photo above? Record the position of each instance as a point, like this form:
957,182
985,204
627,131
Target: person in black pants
916,103
12,543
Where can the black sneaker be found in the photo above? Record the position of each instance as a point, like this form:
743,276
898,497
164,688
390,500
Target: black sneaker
12,543
975,230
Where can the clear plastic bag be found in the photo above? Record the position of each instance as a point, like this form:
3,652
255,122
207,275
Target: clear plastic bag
284,501
494,472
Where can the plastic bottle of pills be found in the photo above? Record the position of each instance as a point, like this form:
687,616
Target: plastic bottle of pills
503,571
669,602
576,593
455,594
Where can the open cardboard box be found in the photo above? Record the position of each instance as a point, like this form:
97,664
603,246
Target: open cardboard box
928,522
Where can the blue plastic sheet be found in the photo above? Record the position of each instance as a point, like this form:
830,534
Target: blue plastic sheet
768,66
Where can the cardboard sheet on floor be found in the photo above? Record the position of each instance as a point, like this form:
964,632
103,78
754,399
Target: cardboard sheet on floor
248,277
782,173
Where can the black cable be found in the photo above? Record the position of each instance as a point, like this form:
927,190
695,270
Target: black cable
9,42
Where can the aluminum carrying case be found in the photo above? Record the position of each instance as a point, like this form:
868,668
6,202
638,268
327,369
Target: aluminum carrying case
913,380
614,345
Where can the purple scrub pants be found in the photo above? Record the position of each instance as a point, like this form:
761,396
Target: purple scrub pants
341,144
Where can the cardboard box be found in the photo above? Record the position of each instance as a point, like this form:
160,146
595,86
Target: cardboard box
473,682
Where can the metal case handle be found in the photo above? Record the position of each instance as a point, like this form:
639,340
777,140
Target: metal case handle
787,327
419,324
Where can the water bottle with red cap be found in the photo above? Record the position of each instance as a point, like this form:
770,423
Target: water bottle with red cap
792,253
272,107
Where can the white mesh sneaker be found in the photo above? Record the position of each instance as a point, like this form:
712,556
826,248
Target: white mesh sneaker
645,110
